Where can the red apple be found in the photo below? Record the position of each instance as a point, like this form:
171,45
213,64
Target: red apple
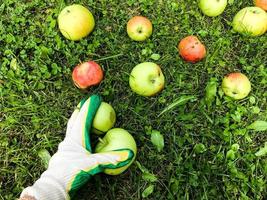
261,3
191,49
87,74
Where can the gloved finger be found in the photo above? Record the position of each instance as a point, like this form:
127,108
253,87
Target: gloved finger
75,113
82,122
73,118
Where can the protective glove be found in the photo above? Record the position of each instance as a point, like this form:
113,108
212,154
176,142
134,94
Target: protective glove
74,163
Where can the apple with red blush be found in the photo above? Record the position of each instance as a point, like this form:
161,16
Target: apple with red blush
261,3
191,49
87,74
236,85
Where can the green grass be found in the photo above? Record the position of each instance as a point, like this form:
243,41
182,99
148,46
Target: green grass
37,97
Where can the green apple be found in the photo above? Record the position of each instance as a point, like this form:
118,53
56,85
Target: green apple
146,79
139,28
212,8
236,85
115,139
250,21
105,118
75,22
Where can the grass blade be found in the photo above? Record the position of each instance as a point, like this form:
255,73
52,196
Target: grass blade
180,101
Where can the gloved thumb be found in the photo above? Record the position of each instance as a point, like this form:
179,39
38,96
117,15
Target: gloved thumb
114,160
99,162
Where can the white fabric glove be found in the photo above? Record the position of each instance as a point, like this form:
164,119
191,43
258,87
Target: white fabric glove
73,164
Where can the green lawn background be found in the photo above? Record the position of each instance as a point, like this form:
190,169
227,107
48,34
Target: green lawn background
37,97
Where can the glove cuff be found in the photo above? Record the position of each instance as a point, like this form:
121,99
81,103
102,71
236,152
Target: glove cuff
45,189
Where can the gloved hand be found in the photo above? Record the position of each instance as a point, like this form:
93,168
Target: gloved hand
73,164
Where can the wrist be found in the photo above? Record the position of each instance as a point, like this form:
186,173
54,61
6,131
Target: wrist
28,194
45,188
27,197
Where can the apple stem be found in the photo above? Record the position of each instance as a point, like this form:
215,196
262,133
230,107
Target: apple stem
100,140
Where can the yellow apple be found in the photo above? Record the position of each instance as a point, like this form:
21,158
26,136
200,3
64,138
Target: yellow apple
75,22
236,85
250,21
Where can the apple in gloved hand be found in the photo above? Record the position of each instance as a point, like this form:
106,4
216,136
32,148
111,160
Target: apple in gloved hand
191,49
75,22
250,21
212,8
146,79
236,85
115,139
261,3
104,119
87,74
139,28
